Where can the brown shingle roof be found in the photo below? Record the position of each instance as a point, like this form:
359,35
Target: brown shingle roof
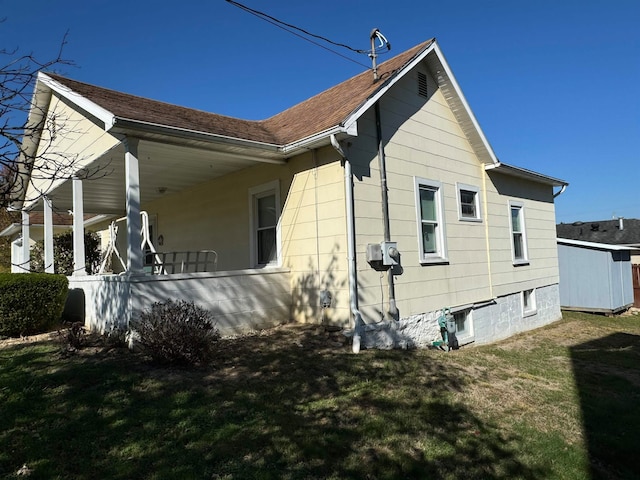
314,115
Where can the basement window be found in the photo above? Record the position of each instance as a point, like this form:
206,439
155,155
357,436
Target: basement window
528,302
422,85
464,326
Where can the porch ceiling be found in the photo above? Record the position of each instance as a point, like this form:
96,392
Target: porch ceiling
165,169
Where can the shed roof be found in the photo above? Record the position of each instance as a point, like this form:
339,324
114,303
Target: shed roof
595,245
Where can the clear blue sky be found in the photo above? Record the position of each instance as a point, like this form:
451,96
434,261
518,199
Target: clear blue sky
554,84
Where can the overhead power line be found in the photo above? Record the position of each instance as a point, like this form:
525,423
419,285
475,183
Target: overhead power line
294,30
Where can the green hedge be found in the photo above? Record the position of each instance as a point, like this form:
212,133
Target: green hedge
30,302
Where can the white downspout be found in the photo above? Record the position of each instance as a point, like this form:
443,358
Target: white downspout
351,247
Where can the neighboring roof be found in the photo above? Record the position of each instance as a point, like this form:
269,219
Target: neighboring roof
36,219
602,231
314,115
594,245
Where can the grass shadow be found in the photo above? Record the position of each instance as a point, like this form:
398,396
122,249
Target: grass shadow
276,406
607,375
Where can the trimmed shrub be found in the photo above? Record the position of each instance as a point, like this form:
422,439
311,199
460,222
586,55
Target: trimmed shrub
179,333
30,302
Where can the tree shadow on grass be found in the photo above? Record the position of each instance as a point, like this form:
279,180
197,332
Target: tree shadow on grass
607,375
276,406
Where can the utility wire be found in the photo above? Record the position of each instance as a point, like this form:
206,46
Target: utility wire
289,28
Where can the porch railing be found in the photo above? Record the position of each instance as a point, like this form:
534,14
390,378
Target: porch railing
163,263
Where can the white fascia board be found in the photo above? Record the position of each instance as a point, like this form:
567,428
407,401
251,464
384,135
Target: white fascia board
355,115
463,101
94,109
526,174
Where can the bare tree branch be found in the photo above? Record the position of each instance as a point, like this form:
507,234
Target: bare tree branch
24,123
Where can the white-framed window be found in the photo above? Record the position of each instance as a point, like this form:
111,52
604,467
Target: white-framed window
464,326
468,203
430,220
528,302
518,234
264,208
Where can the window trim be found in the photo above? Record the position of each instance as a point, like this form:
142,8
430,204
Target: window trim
525,249
255,193
441,238
533,306
476,191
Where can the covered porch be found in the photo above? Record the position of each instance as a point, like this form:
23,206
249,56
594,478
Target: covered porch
156,172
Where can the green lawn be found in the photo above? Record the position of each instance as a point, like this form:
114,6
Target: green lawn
559,402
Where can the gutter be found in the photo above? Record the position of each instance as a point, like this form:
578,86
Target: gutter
527,174
150,127
351,248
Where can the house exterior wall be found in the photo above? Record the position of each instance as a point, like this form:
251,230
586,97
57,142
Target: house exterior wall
70,138
422,138
240,301
594,280
215,215
491,321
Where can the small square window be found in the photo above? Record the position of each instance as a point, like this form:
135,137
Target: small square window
468,203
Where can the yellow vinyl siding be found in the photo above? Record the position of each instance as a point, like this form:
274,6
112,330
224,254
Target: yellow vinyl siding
77,142
215,215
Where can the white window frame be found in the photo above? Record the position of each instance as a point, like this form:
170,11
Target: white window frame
476,200
523,227
440,256
532,308
255,193
467,336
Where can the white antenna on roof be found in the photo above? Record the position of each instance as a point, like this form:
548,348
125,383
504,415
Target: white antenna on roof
373,54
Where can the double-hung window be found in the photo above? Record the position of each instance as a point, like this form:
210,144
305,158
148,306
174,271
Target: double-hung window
518,234
429,214
265,214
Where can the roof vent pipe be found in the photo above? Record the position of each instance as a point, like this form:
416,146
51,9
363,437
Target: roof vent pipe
621,223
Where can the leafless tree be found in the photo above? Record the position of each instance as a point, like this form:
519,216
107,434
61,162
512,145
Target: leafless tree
23,123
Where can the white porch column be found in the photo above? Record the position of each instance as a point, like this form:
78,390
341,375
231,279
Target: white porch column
25,258
134,224
48,236
79,261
